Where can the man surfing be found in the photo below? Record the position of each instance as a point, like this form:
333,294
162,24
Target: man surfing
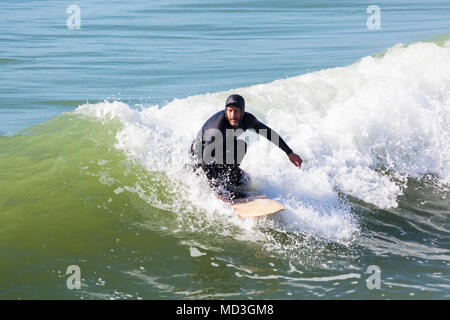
218,152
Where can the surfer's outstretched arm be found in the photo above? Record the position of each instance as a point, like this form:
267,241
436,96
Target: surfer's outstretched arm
275,138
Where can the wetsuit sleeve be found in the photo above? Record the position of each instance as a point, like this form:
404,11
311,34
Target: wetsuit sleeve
272,135
196,149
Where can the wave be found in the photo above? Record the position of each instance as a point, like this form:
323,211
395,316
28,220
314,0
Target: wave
362,129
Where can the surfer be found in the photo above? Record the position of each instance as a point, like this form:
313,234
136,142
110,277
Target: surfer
218,152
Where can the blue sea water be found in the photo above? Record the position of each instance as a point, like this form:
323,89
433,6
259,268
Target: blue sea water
151,52
96,122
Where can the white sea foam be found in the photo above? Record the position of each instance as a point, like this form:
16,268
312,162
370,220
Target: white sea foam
361,129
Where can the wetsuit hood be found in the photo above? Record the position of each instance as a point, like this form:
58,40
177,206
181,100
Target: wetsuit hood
238,101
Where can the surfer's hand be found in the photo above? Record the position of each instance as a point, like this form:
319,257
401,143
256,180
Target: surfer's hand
295,159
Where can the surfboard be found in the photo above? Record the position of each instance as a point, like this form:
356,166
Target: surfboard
255,205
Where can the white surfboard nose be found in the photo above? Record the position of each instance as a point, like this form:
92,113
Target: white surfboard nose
256,206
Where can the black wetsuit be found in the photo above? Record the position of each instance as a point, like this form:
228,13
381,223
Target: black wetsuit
223,170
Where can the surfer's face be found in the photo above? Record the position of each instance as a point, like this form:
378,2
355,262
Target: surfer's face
234,115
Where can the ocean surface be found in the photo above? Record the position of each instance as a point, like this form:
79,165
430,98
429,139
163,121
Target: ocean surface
97,122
